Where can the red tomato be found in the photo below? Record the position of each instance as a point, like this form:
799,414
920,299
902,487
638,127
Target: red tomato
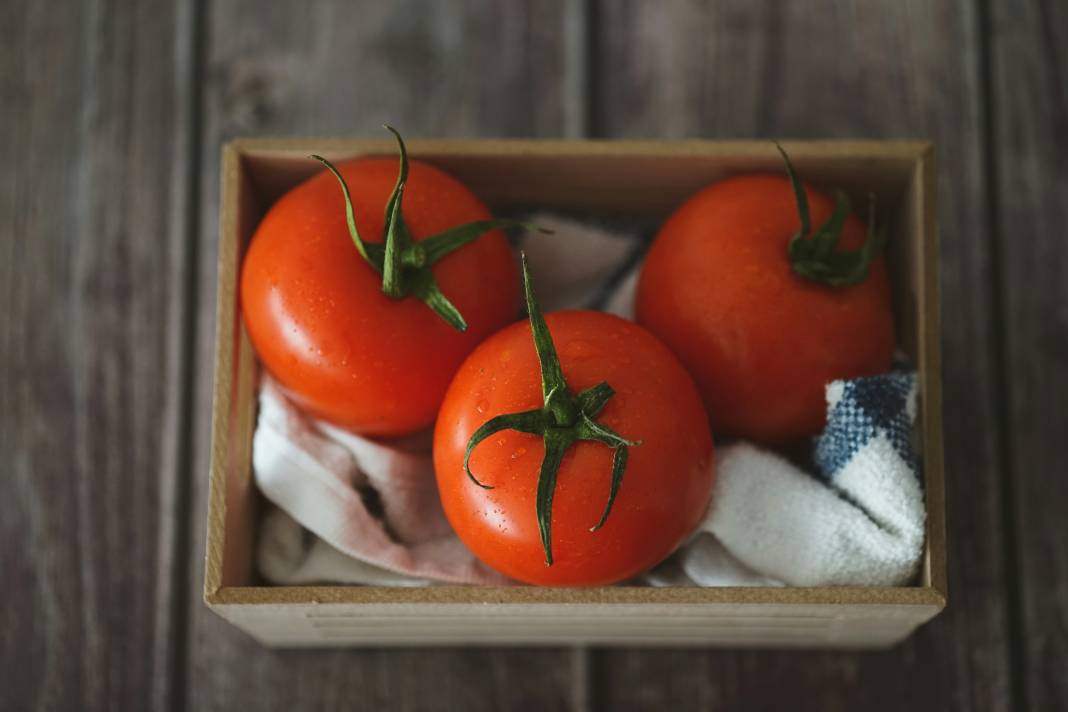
323,327
666,484
761,341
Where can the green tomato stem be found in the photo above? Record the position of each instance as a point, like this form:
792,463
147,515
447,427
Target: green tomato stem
816,256
563,420
405,265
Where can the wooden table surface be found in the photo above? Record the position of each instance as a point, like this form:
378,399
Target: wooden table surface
112,118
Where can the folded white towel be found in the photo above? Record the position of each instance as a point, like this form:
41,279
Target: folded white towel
352,510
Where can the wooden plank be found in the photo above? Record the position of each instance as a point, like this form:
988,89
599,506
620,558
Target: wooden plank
342,69
92,278
1029,120
831,69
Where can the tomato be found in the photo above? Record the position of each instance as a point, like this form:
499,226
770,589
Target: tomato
762,341
320,321
666,479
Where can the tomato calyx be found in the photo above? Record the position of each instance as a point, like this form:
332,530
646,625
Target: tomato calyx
814,256
564,419
404,263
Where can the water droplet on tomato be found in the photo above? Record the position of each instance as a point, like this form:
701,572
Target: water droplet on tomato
481,406
579,350
519,452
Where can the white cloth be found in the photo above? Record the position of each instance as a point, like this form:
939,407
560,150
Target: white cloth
352,510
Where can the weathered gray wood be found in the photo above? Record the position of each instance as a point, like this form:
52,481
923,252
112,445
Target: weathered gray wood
831,69
343,68
93,213
1029,125
92,255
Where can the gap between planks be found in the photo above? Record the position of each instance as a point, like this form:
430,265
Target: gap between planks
191,29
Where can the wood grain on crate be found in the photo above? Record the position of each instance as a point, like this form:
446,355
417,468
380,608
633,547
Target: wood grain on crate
733,625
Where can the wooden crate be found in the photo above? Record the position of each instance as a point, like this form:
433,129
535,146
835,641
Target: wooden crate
622,178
